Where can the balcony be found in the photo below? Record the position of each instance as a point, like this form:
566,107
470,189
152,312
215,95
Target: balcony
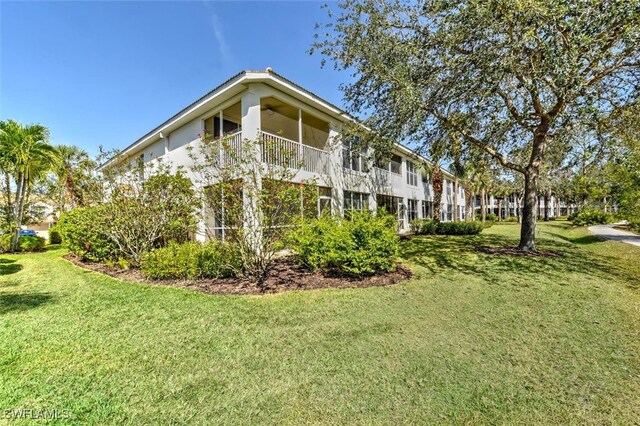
284,152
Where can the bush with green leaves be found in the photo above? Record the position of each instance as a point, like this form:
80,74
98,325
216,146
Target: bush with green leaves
363,244
491,217
590,217
26,243
430,227
459,228
54,236
31,243
423,226
84,233
512,219
191,260
140,215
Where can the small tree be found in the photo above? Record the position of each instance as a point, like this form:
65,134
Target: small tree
248,196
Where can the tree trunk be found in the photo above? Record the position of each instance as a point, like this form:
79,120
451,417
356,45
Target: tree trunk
17,217
455,200
483,204
528,228
546,206
499,209
469,210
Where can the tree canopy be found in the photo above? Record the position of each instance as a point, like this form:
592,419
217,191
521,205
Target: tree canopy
514,78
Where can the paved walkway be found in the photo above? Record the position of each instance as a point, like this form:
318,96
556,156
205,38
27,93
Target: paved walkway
608,233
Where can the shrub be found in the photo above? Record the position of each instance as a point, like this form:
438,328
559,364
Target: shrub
489,217
25,243
191,260
423,226
5,242
364,244
511,219
429,227
143,216
459,228
54,236
590,217
83,232
29,243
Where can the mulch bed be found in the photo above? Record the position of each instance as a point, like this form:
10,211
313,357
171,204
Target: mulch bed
514,251
285,276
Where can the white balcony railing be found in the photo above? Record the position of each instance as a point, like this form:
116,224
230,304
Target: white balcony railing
284,152
315,160
232,147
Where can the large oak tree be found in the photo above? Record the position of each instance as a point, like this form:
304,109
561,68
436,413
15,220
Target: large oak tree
506,76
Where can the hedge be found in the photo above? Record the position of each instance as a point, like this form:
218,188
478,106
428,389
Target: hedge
430,227
26,243
191,260
363,244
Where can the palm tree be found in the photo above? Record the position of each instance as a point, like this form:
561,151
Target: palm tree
459,170
74,166
437,178
26,157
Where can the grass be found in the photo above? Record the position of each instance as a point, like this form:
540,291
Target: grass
474,338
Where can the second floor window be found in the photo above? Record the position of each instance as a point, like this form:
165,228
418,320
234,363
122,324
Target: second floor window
352,157
412,174
393,165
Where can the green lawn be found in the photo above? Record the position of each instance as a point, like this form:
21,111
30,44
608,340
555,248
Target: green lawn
473,339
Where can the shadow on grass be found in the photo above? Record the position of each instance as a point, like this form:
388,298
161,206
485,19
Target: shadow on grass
9,266
585,239
11,302
441,253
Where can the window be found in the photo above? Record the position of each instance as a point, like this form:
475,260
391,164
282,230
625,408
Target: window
223,205
449,212
392,205
448,185
324,200
395,164
412,210
353,157
355,201
212,127
412,174
427,209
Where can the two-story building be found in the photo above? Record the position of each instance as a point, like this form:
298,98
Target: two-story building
265,106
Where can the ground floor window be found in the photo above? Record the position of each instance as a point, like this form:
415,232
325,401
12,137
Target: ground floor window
223,207
427,209
412,210
324,200
392,205
449,212
355,201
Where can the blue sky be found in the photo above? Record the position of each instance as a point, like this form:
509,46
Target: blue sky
105,73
